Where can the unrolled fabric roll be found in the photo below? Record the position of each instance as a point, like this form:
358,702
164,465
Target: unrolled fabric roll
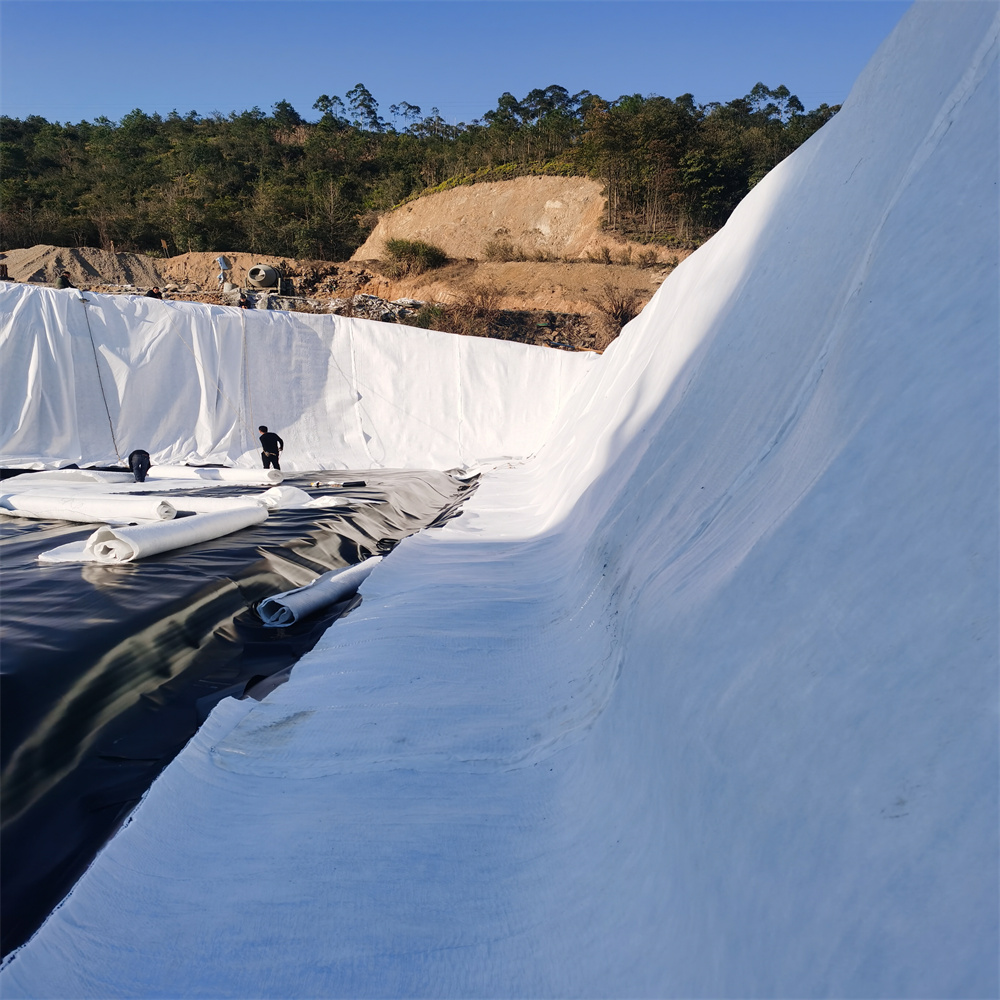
276,498
288,607
212,505
118,545
223,475
72,476
87,508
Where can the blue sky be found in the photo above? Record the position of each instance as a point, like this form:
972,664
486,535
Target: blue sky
69,60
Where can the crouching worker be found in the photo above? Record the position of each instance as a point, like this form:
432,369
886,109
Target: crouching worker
138,462
271,447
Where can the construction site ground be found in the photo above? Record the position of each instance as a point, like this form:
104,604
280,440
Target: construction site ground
556,303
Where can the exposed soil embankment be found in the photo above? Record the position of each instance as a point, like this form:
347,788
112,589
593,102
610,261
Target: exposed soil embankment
569,303
560,216
524,219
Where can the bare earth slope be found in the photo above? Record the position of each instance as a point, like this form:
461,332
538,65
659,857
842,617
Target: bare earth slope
555,216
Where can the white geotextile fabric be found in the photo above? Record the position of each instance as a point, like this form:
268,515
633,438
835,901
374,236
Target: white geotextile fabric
67,506
215,475
191,383
126,544
61,476
275,498
289,606
702,701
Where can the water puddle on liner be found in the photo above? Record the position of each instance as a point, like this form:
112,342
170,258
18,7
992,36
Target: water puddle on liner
107,671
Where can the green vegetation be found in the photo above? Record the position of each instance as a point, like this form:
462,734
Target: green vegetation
411,257
277,184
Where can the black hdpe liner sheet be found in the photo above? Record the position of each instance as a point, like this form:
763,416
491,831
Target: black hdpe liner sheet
107,671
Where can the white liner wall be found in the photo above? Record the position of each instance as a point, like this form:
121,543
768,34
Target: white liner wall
700,702
190,383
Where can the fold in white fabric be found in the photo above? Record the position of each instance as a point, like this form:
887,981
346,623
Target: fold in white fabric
86,507
224,475
118,545
285,497
288,607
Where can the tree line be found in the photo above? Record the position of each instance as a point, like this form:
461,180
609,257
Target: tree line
278,184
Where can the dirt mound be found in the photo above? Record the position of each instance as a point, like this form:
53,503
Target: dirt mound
525,219
559,216
87,266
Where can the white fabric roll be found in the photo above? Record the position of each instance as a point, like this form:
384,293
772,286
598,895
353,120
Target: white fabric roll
118,545
288,607
87,508
212,505
223,475
72,476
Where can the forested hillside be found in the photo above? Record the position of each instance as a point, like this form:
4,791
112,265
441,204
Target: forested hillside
278,184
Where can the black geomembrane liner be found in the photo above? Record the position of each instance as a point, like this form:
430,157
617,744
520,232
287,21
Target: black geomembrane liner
108,670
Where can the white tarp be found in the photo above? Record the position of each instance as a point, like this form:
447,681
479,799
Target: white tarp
702,701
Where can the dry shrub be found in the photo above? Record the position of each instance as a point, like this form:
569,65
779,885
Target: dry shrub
648,258
476,314
501,251
430,316
625,256
616,306
603,256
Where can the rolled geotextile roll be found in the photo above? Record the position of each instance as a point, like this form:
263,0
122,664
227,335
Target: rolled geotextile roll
117,509
288,607
119,545
212,505
222,475
72,476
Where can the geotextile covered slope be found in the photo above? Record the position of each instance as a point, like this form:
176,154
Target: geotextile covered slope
701,700
100,375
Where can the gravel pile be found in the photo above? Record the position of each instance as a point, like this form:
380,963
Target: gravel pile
87,266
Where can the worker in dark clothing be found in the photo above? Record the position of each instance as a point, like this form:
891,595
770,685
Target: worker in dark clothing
63,281
138,462
154,293
271,446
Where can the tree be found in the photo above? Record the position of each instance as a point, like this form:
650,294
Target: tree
365,109
285,116
408,112
332,110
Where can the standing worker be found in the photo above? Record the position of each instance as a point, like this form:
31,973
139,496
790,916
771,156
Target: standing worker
271,446
63,281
